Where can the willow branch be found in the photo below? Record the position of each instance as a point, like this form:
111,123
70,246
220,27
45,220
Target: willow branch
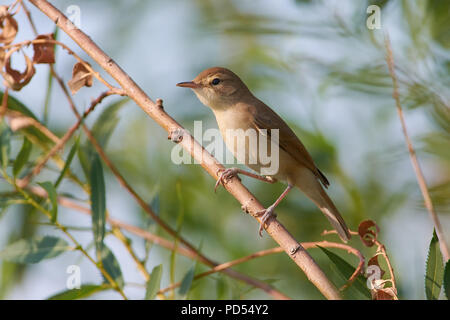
187,252
412,153
262,253
273,227
60,144
78,246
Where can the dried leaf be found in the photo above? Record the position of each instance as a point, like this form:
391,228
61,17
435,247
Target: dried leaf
374,262
8,26
44,52
2,57
81,77
384,294
368,235
15,79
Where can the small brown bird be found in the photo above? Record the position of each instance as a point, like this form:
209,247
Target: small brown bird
236,108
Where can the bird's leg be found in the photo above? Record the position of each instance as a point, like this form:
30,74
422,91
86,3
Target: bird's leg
267,213
227,174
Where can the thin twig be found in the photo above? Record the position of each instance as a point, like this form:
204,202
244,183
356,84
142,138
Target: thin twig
382,250
60,144
187,252
4,105
17,46
273,227
19,121
262,253
78,246
412,154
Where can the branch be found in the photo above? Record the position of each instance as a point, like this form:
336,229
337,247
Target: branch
262,253
187,252
412,154
275,229
60,144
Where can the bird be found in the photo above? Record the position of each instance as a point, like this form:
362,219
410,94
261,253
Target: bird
236,108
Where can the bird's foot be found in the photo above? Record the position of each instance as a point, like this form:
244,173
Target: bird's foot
265,215
225,176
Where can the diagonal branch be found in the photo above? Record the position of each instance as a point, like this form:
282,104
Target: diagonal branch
412,154
262,253
274,228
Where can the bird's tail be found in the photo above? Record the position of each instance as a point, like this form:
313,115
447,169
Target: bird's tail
316,193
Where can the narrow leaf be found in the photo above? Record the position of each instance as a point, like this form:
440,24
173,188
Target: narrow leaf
98,202
5,146
34,250
85,291
447,279
102,130
32,133
52,196
154,283
111,266
346,270
434,270
107,121
186,283
69,159
22,157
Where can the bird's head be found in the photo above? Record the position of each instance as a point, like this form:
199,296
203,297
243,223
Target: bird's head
217,88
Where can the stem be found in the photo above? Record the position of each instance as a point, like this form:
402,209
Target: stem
412,154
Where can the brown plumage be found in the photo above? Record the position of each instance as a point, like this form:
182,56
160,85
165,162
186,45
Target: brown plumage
235,107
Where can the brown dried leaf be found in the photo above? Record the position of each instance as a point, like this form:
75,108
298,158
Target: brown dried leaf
15,79
81,77
384,294
374,262
368,236
2,57
8,26
44,52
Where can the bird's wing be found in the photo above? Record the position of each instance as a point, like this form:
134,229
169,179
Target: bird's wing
265,118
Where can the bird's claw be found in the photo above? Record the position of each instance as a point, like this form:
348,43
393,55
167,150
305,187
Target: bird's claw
265,215
225,176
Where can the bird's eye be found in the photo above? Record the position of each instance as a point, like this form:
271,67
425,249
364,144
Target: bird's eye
215,81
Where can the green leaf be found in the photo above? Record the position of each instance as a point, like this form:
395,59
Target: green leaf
98,202
52,196
154,283
222,288
5,137
86,155
186,283
85,291
447,279
102,130
22,157
69,159
434,270
32,133
16,105
111,266
34,250
346,270
107,121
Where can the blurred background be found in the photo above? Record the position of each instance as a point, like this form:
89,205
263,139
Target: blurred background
315,63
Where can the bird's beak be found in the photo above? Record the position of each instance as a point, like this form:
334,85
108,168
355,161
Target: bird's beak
188,84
